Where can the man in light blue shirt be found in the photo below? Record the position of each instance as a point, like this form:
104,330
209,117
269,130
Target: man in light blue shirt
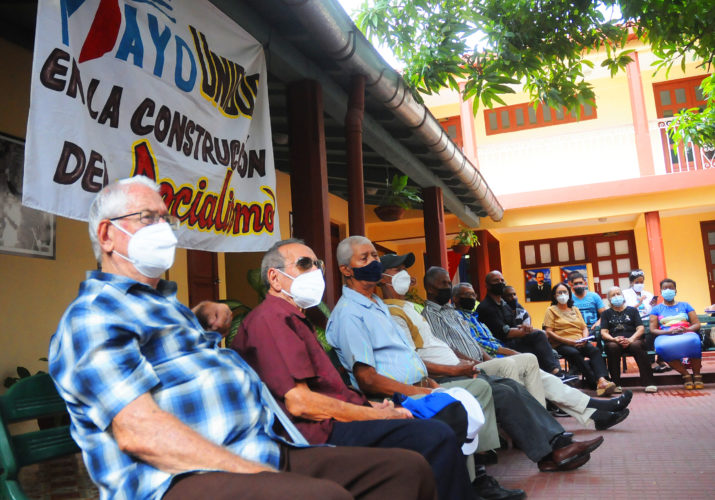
589,303
362,331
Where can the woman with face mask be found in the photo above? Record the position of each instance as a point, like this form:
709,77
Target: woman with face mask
640,298
568,333
622,331
675,326
637,296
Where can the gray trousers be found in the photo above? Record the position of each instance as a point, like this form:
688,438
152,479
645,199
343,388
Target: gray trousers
520,415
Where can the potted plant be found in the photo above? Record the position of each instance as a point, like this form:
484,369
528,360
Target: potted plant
465,240
398,197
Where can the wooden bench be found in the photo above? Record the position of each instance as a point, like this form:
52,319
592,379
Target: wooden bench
28,399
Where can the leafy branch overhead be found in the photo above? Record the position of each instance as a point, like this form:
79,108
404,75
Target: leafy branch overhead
492,45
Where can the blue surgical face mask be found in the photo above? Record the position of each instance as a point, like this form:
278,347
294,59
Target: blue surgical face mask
371,272
617,300
668,294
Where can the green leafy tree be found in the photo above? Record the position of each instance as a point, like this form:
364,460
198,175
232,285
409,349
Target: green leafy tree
491,45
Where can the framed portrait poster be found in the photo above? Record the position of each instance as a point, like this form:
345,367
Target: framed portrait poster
23,231
537,283
565,270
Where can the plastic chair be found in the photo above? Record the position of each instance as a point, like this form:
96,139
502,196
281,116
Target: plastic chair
30,398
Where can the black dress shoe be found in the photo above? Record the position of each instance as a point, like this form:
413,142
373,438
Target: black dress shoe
622,401
489,488
607,419
567,454
548,465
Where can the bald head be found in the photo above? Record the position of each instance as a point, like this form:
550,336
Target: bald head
493,277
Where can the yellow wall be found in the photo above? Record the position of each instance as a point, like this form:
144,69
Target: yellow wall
685,257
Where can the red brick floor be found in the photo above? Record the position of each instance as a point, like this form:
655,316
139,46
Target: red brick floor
665,449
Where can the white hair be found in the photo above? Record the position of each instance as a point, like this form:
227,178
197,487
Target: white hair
344,252
111,202
613,289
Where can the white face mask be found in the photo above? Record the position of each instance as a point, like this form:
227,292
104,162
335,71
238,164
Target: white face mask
151,249
401,282
307,288
638,287
562,298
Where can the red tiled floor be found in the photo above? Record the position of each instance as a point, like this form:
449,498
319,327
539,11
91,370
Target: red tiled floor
664,449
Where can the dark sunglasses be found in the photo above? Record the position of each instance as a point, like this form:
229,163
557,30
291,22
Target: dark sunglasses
306,263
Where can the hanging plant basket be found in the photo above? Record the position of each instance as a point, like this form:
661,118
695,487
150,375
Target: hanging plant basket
461,249
389,213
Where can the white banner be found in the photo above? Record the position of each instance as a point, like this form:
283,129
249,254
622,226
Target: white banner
170,89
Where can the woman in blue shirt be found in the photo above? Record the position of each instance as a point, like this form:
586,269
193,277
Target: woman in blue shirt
675,326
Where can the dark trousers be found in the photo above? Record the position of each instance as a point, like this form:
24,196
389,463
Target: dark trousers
537,344
593,369
327,473
522,417
433,439
639,351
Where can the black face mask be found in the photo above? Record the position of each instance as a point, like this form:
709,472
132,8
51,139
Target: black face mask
371,272
497,288
511,304
467,303
579,290
443,295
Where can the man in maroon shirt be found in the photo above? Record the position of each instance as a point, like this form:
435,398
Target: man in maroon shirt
277,340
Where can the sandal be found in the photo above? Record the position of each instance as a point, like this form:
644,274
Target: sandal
688,382
606,390
698,384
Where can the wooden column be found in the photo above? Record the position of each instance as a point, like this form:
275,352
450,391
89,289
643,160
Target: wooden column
435,235
640,118
353,147
309,175
479,264
655,249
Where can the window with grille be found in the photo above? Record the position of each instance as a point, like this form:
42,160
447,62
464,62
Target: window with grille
525,116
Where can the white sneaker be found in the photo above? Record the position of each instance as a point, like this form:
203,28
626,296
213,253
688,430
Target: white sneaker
651,388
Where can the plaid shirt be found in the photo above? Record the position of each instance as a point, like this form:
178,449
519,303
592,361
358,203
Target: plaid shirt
481,333
449,326
120,339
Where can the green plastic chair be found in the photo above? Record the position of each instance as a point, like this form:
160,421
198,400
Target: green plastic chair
30,398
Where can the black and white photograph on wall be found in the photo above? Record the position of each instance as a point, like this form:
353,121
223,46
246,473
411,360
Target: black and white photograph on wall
23,231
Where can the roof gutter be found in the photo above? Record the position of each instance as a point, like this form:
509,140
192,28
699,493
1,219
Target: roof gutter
333,29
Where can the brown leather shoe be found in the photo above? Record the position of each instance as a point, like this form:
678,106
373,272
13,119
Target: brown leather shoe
568,454
550,465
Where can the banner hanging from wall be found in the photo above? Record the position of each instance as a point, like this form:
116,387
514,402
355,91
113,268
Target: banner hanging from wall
173,90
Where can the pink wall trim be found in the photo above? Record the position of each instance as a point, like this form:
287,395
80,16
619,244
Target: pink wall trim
469,135
640,117
610,189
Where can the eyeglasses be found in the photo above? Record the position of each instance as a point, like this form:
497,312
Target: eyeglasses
306,263
148,218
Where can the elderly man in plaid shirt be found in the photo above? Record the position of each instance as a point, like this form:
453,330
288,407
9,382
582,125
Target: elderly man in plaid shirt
160,411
